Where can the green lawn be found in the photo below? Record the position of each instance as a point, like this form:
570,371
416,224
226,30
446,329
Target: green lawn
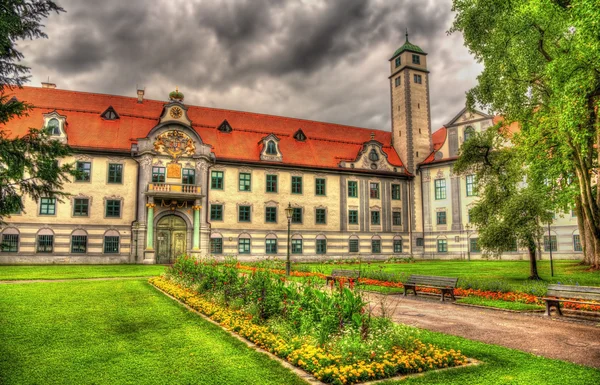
488,275
499,304
77,271
502,366
118,332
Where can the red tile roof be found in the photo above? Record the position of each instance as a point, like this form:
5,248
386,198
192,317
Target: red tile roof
325,146
438,138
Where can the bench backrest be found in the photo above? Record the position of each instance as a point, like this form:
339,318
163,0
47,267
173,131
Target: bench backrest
432,280
346,273
567,291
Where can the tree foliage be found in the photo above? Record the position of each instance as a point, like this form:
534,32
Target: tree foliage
542,69
509,211
28,164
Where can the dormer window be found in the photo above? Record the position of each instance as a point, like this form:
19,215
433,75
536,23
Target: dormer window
299,135
373,156
54,127
225,127
110,114
271,148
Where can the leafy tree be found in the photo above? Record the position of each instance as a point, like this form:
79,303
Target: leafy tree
28,164
508,211
542,69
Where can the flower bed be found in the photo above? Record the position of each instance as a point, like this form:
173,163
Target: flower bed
498,295
324,365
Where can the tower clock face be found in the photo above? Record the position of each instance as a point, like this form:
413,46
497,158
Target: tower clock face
176,112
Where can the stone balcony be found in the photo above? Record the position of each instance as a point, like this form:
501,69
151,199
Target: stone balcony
181,191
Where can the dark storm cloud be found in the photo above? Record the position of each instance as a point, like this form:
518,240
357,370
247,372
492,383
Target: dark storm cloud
315,59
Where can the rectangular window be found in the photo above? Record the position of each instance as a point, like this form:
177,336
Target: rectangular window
188,176
81,207
10,243
397,81
297,215
550,243
417,79
111,244
115,173
577,243
244,213
272,183
441,217
352,189
45,243
271,246
375,218
374,189
396,192
78,243
245,181
353,245
398,61
296,185
471,185
442,246
296,246
376,246
474,245
440,189
397,245
84,171
244,246
321,246
158,174
113,208
397,218
216,180
320,216
416,59
216,245
353,217
216,212
271,214
47,206
420,242
573,214
319,186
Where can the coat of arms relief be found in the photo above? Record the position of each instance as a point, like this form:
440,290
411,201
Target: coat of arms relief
175,144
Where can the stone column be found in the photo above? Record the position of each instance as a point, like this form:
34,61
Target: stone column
149,251
196,234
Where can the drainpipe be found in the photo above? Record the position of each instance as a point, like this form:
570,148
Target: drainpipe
422,211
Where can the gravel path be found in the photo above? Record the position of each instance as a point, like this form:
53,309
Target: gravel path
577,342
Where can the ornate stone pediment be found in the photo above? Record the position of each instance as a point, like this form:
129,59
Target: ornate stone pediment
270,149
371,157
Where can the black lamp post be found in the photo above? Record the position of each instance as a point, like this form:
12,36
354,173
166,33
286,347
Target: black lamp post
550,247
289,211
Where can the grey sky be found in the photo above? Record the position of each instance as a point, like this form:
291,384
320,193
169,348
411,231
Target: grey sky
323,60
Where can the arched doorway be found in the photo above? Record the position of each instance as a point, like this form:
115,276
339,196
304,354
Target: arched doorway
171,234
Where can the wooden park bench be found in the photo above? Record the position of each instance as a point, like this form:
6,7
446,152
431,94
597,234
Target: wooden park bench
337,275
444,284
567,293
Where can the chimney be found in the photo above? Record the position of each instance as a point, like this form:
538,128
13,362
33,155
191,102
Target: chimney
140,94
48,85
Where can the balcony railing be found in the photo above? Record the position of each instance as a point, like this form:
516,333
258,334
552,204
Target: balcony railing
174,188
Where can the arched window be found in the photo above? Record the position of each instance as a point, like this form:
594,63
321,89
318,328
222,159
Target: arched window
111,242
373,156
353,244
10,240
469,133
79,241
54,127
271,148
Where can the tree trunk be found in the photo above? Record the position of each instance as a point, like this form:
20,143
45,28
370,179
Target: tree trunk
583,234
533,272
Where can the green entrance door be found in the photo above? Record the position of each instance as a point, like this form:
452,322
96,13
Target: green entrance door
170,239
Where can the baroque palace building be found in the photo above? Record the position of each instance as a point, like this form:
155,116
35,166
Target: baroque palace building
159,179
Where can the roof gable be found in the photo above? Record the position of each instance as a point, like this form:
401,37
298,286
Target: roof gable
466,116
